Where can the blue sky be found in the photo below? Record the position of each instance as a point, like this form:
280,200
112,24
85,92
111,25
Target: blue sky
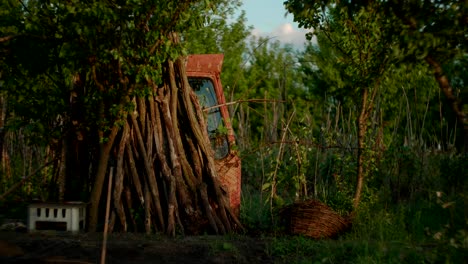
268,19
266,15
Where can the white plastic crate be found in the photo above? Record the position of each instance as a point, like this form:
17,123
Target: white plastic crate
67,216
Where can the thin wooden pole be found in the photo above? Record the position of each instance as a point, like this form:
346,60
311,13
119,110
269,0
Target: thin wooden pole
106,223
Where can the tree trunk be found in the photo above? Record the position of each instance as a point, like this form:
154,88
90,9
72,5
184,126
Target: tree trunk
441,78
104,155
78,162
362,130
61,178
3,154
454,102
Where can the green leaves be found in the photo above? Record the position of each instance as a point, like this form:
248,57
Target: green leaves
89,53
309,14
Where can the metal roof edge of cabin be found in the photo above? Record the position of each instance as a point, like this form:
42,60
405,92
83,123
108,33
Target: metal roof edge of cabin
205,63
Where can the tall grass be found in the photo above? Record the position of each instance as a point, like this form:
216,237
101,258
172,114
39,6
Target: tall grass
413,207
19,160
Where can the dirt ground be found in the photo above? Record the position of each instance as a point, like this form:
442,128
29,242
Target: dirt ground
61,247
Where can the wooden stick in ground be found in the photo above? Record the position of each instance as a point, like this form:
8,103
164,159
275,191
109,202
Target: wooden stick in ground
106,223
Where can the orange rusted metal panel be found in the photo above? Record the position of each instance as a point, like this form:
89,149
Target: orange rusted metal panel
206,68
205,63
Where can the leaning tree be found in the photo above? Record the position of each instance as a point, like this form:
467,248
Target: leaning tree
104,83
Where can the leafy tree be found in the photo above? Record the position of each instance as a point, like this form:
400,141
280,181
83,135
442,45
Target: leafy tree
436,32
271,122
370,36
356,57
224,33
425,31
104,83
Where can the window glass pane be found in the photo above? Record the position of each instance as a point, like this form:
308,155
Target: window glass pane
204,89
206,94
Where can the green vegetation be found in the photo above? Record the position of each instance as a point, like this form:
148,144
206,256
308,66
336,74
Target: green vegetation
96,85
360,119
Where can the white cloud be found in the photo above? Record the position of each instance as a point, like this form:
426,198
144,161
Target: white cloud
285,33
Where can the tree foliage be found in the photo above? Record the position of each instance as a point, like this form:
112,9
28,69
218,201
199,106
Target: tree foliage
433,32
103,82
224,33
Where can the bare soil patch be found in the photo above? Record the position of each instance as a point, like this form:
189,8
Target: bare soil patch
62,247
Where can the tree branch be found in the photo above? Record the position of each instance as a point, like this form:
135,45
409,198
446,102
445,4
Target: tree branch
7,38
446,88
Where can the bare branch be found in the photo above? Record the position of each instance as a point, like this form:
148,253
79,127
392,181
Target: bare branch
206,109
7,38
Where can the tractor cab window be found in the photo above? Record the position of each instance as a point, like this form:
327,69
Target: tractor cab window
206,94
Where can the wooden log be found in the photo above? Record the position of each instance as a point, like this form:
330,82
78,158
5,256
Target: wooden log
119,178
153,184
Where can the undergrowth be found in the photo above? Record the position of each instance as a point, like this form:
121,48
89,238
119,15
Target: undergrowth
413,211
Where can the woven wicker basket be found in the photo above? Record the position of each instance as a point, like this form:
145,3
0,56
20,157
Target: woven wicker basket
314,219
